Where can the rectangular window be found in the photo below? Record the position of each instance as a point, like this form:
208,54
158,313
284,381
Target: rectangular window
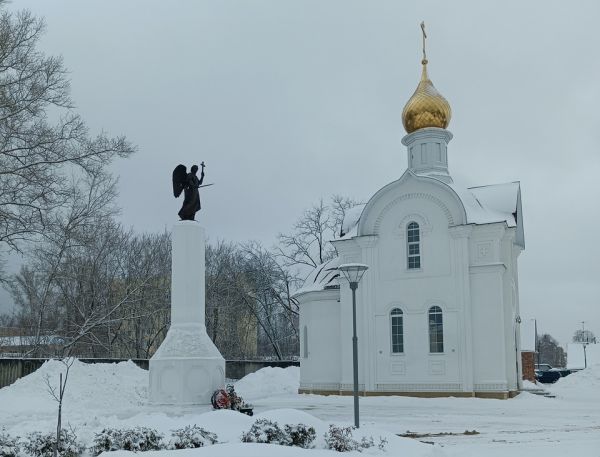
397,331
413,238
436,330
414,263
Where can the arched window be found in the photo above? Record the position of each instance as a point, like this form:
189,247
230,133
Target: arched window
436,330
413,246
305,342
397,331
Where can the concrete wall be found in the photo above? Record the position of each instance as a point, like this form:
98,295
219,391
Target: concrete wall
13,369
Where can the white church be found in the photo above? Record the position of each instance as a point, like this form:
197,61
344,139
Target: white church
438,308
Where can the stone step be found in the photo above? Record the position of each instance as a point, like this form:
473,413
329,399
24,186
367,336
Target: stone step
541,392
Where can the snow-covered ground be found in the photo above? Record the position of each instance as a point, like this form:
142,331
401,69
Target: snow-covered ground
115,395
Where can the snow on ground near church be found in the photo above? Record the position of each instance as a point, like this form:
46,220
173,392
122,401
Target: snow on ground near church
104,395
269,381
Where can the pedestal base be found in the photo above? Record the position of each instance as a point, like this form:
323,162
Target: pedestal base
187,368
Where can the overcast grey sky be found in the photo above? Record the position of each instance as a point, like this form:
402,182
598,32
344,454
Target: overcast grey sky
290,101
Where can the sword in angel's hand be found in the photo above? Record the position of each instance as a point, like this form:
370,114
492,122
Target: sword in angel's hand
206,185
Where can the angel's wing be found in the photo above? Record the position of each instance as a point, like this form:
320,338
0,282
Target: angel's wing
179,179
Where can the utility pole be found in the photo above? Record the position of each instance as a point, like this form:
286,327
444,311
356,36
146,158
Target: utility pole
537,346
584,342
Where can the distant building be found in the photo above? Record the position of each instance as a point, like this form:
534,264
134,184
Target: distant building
20,345
438,309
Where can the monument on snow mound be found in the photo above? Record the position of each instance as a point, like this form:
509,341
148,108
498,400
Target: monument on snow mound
187,367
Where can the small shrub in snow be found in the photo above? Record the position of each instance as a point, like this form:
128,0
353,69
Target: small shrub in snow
300,435
9,447
266,431
108,439
138,439
340,439
192,437
42,445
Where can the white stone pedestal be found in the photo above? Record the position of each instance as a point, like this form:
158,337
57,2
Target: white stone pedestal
187,367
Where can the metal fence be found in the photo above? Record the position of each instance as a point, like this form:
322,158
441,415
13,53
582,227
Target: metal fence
12,369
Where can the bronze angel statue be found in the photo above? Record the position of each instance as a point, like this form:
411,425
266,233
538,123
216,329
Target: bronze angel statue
188,183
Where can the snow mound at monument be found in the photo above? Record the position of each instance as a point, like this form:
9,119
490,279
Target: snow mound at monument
581,385
90,387
269,381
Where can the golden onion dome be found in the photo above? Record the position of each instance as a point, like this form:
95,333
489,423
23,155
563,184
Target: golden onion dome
427,107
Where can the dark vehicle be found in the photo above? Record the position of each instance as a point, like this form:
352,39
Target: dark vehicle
545,374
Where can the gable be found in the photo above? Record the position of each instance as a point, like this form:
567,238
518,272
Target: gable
408,188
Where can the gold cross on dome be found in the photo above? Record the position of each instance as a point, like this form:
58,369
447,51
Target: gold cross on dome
424,36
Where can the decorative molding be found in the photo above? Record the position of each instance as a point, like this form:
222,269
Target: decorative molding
425,226
398,368
487,268
419,195
484,252
461,231
418,387
366,241
318,295
437,367
427,133
490,387
350,386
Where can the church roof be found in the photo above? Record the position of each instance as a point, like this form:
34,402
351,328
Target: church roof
490,204
351,219
483,205
324,276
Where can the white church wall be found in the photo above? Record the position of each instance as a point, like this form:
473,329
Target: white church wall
509,256
489,339
320,366
390,283
469,271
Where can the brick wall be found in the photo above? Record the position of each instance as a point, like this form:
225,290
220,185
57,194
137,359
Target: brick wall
528,363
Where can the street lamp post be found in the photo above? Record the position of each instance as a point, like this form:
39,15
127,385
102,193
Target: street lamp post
536,345
354,272
584,342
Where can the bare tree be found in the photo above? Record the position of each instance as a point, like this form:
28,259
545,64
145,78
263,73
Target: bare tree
584,336
550,351
43,142
269,288
36,289
308,243
58,395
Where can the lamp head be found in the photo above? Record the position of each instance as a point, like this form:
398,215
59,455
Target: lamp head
353,272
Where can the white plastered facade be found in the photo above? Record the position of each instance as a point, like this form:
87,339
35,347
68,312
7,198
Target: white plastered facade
470,240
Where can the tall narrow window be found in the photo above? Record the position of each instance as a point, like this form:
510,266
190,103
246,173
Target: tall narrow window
436,330
397,331
413,246
305,345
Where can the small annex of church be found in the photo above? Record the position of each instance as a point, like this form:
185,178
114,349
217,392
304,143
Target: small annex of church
438,309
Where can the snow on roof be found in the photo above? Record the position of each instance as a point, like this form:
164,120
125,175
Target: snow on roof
351,219
489,204
483,205
324,276
500,197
